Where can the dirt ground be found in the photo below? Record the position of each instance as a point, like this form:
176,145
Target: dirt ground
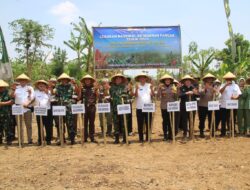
223,163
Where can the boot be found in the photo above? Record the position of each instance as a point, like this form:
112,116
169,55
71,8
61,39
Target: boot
202,134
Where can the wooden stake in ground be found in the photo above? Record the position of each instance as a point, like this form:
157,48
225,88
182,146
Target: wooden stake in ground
125,124
191,125
81,128
19,124
232,122
173,126
42,131
149,129
104,127
61,130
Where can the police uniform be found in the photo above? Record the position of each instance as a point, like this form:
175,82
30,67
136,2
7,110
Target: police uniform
167,93
206,95
5,113
64,95
88,98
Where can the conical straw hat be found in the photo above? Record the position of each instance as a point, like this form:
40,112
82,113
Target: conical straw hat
229,75
3,83
166,76
23,77
64,76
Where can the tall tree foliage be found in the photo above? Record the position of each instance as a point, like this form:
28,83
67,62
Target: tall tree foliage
199,60
81,42
58,61
30,38
241,65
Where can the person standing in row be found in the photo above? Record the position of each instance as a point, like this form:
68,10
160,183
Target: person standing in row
241,117
64,94
206,95
117,92
246,97
42,98
5,112
24,95
143,94
216,86
53,102
186,93
88,96
129,87
104,97
229,91
167,93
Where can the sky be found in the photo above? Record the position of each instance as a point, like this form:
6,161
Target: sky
202,21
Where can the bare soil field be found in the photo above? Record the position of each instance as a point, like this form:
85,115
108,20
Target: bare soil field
222,163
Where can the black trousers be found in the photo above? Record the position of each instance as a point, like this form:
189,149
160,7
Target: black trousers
217,119
185,120
166,123
225,120
142,118
203,114
48,128
52,118
89,122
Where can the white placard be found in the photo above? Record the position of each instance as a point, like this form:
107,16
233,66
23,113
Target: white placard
232,104
59,110
77,108
123,109
103,108
40,110
191,106
148,107
17,110
213,105
173,106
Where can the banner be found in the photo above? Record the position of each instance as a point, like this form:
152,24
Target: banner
137,47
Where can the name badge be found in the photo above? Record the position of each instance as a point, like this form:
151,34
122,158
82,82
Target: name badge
17,110
77,108
150,107
232,104
103,108
40,110
173,106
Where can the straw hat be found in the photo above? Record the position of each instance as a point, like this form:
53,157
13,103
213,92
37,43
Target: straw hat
52,80
229,75
217,81
209,76
23,77
41,81
142,75
64,76
166,76
187,77
118,75
176,81
3,84
87,77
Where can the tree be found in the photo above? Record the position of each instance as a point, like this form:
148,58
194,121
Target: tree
30,38
58,61
81,42
242,58
199,59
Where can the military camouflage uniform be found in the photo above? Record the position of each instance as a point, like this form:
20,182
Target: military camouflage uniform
64,96
89,100
5,117
117,92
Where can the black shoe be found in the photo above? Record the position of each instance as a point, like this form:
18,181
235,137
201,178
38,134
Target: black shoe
222,135
38,143
202,135
93,141
48,142
9,142
30,143
73,142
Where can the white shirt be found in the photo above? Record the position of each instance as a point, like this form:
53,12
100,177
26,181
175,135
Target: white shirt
22,96
231,90
42,99
144,95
